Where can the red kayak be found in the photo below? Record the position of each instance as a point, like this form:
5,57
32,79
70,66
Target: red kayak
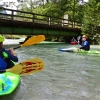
73,43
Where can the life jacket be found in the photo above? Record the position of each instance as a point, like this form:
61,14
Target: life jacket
86,45
3,64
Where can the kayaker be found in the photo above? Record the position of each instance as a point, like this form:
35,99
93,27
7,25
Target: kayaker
84,44
73,40
9,56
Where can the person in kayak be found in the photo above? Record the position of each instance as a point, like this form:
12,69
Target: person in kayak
9,56
82,41
84,44
73,40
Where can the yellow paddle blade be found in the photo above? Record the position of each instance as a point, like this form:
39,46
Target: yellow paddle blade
34,40
27,67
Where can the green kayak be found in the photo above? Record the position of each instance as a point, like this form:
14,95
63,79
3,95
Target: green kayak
76,50
88,52
8,82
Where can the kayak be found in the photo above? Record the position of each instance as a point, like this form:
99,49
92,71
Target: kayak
8,82
76,50
73,43
10,79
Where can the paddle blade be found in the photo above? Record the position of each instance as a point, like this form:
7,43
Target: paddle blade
27,67
34,40
78,38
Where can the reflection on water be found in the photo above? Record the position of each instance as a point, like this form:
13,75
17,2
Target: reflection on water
66,76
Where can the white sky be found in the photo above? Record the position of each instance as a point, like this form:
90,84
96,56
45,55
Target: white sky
85,0
33,0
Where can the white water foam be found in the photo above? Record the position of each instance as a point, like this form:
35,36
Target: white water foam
13,41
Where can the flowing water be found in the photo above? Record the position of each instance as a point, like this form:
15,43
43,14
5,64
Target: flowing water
66,76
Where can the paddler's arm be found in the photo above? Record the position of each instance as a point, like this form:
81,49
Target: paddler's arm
12,52
12,55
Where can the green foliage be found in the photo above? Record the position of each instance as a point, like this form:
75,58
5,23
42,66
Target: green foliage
91,20
49,9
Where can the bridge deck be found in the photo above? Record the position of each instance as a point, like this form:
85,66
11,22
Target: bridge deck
36,24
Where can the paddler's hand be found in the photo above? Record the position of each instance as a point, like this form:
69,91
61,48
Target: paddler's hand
12,51
78,42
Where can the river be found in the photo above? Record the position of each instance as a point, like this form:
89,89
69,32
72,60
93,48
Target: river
66,76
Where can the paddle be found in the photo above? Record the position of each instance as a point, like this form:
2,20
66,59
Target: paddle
35,66
27,67
32,40
78,38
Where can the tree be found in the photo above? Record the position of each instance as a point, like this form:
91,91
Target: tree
91,20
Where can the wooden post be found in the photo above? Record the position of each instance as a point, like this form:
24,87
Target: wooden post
12,15
49,21
33,18
65,20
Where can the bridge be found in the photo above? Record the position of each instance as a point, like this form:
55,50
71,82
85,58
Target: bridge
26,23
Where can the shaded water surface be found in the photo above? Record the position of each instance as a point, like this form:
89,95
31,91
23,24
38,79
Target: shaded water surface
66,76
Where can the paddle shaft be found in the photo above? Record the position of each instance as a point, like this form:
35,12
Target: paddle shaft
78,38
17,47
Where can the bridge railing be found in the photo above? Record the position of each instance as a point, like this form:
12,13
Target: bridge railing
16,15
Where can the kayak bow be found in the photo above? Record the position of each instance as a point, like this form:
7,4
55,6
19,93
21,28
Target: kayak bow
8,82
76,50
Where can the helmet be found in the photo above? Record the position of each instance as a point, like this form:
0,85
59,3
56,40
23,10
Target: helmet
1,38
84,36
